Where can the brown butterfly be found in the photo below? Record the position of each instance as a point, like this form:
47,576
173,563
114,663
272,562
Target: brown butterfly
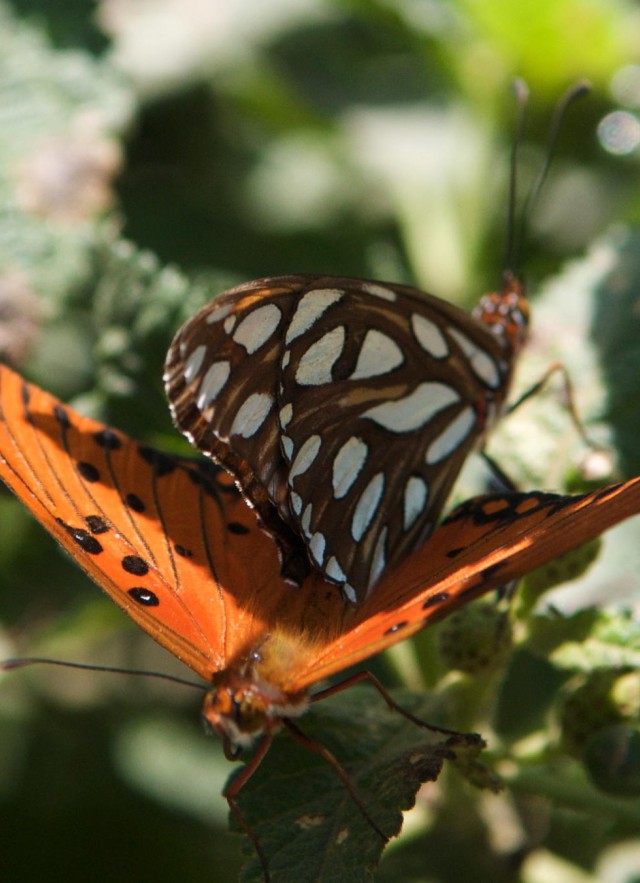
345,408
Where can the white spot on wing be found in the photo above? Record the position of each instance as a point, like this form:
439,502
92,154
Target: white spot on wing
415,410
429,336
312,305
367,506
305,457
257,327
415,499
482,365
317,545
218,313
287,446
452,437
349,593
347,465
286,413
251,414
296,502
212,382
379,354
379,558
334,571
229,323
379,291
305,521
314,367
194,363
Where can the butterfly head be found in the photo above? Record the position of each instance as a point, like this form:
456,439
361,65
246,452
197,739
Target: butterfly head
242,706
506,312
237,714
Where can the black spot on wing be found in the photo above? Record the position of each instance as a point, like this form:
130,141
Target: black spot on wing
83,538
237,528
207,477
108,440
500,509
96,524
135,565
144,596
88,471
396,628
453,553
436,600
208,474
182,551
61,416
133,501
161,464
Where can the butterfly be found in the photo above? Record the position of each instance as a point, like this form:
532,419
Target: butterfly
344,408
176,546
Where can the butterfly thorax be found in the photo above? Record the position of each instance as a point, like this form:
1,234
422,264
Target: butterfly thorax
242,707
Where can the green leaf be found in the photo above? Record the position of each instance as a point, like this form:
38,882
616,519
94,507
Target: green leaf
60,117
595,45
616,331
548,631
301,812
613,642
570,566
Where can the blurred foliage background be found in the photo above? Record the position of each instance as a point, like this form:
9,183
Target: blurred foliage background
154,152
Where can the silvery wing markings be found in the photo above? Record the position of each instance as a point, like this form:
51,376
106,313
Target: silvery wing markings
226,404
348,405
228,408
397,410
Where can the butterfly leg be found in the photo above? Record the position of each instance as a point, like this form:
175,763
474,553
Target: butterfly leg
498,475
393,705
233,789
333,762
568,398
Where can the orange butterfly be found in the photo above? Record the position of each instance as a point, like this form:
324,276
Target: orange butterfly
174,544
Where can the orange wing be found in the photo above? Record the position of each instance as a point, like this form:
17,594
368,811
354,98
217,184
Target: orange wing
169,539
485,543
174,544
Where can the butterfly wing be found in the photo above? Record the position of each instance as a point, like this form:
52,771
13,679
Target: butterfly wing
382,409
175,545
168,539
485,543
348,405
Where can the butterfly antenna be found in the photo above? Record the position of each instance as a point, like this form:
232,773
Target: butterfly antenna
513,243
24,661
521,91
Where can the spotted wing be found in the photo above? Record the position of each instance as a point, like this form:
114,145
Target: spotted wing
381,400
485,543
171,541
343,406
221,380
175,545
